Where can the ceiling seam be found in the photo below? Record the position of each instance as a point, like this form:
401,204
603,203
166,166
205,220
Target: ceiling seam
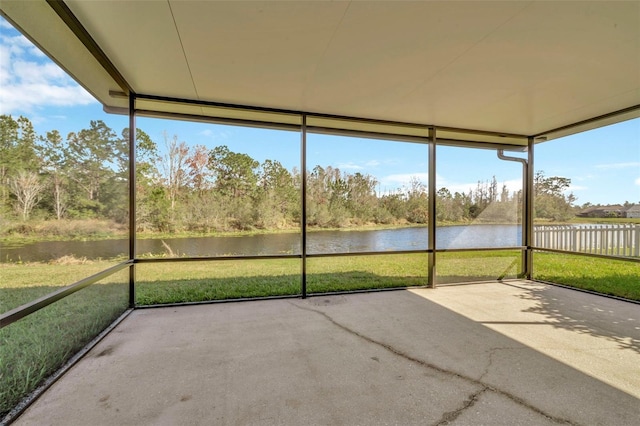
454,60
324,52
184,53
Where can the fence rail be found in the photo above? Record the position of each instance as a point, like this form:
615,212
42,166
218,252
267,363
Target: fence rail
615,240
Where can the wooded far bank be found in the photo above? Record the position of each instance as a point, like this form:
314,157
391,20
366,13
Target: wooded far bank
184,188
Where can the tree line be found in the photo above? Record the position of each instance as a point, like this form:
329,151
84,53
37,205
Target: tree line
194,188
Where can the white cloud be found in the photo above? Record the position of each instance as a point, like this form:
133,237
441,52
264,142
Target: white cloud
513,185
397,181
616,166
573,188
637,181
27,97
359,165
216,135
28,83
349,166
462,188
403,180
584,178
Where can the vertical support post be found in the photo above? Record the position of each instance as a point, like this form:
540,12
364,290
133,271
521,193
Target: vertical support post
527,234
132,198
303,200
527,218
431,223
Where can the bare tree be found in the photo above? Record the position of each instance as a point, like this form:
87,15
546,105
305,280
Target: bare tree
60,196
27,187
173,163
54,163
199,174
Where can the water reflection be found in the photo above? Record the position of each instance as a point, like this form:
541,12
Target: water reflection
274,244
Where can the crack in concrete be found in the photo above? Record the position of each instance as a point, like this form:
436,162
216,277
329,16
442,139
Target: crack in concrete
491,352
470,400
452,415
489,364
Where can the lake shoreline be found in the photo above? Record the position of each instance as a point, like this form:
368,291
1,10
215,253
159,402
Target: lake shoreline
107,231
15,241
319,241
363,238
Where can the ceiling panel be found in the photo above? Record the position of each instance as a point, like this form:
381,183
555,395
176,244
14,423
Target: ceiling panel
141,40
383,51
548,66
508,67
255,53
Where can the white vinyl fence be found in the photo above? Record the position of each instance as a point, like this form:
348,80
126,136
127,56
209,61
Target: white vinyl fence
615,240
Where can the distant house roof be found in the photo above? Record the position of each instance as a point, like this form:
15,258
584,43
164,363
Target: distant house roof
603,210
589,210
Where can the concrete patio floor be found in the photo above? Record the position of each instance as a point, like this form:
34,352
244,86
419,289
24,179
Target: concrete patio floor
513,354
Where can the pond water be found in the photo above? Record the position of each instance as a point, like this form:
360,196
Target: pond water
273,244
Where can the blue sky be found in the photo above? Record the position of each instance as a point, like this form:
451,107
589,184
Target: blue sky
603,164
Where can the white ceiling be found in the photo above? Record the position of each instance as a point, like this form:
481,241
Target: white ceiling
521,67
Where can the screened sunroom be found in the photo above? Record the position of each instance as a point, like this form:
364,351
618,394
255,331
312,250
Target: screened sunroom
371,200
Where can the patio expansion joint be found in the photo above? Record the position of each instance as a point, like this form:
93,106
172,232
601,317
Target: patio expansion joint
471,399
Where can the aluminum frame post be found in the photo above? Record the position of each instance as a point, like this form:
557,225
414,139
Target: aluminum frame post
303,199
431,223
528,217
132,199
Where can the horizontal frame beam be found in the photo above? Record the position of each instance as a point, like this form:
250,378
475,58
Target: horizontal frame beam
215,258
217,120
455,250
316,255
596,255
250,108
612,114
14,315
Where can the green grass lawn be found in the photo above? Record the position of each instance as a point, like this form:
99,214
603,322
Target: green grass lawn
607,276
22,283
35,346
217,280
454,267
200,281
